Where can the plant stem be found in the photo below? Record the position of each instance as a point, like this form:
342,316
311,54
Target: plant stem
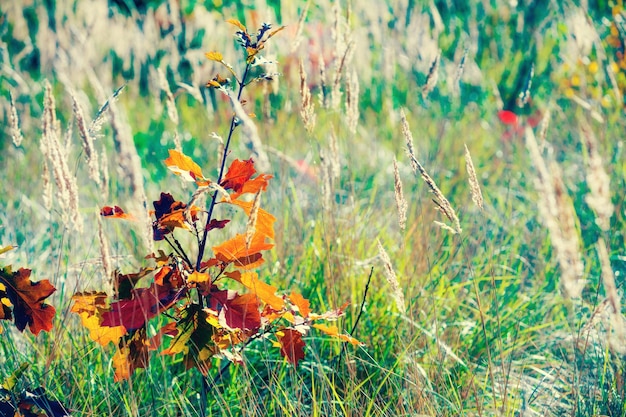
242,85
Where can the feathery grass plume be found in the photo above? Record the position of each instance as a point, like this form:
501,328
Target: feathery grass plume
477,195
297,39
88,145
129,162
105,255
352,101
617,335
98,120
251,133
557,214
170,103
47,186
432,77
254,214
439,199
598,181
392,279
56,156
459,73
307,107
335,93
408,137
401,203
16,132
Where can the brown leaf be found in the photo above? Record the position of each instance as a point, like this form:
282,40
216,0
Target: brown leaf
291,345
27,299
237,311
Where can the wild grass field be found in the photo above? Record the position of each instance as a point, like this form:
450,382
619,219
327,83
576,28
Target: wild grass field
453,170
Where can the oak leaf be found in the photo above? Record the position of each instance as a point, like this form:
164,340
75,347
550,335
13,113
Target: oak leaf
291,345
214,56
300,302
27,299
265,292
89,306
185,167
133,353
334,332
115,212
237,311
238,174
236,251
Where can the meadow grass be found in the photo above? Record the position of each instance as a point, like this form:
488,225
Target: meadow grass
513,315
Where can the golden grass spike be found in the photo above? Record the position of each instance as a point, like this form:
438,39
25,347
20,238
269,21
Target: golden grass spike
477,195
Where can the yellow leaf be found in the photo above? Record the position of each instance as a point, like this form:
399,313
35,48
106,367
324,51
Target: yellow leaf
334,332
6,249
214,56
199,277
237,23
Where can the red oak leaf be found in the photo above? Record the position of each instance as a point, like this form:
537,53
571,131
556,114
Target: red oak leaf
145,304
115,212
508,117
216,224
291,345
237,311
27,299
236,252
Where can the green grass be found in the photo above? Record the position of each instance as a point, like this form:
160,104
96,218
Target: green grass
487,329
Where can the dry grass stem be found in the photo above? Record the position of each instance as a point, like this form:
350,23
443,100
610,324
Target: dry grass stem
557,213
617,334
322,94
459,73
297,39
307,107
392,279
96,123
56,155
254,213
352,101
16,132
598,181
333,160
170,103
88,142
105,254
327,180
408,137
439,199
432,77
477,195
401,204
543,128
251,133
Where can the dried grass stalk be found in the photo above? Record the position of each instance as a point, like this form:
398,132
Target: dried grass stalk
432,77
459,73
439,199
322,94
170,103
392,279
617,335
105,254
557,214
88,143
477,195
401,204
408,137
307,107
598,181
333,159
16,132
254,212
297,39
327,180
352,101
56,155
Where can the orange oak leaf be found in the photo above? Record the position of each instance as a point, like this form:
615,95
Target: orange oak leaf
185,167
291,345
265,221
27,299
237,311
170,214
236,252
265,292
334,332
115,212
254,185
133,353
238,173
300,302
